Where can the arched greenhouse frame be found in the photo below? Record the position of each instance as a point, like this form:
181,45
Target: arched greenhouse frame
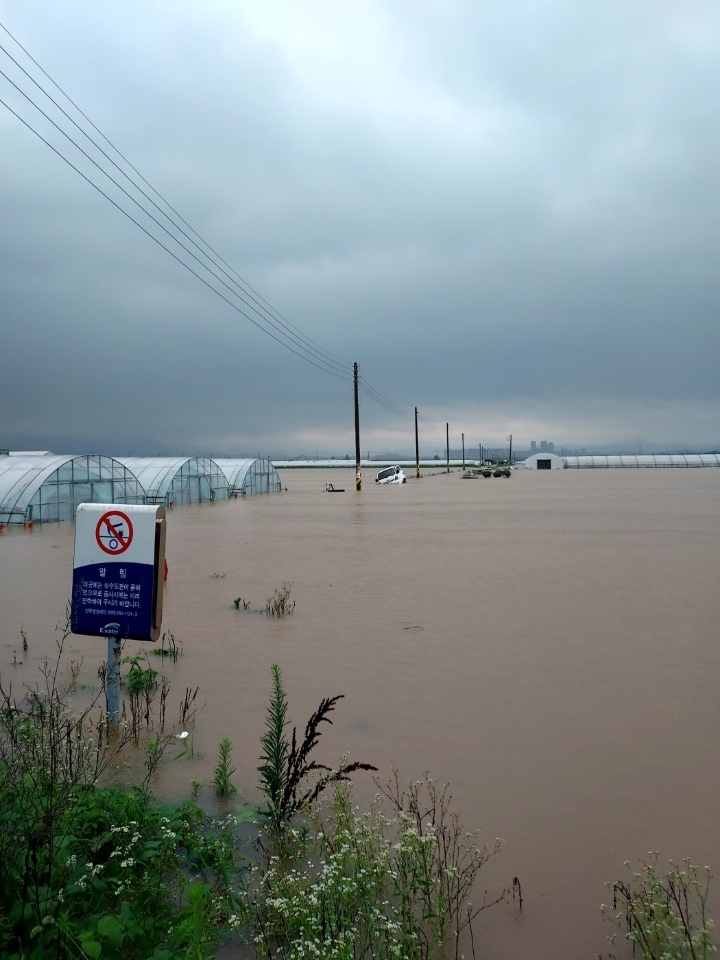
179,480
49,488
251,476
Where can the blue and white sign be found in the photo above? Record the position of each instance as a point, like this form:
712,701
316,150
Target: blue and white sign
118,571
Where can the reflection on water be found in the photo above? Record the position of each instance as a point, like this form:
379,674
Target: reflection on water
548,644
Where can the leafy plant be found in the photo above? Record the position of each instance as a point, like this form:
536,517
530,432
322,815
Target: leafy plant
665,916
141,683
224,771
369,886
87,870
286,764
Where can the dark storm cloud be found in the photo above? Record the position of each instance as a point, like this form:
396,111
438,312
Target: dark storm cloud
503,213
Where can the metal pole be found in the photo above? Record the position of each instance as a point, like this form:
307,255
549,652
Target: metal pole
463,436
358,470
112,683
417,449
447,445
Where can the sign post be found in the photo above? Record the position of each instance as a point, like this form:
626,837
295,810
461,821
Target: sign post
117,581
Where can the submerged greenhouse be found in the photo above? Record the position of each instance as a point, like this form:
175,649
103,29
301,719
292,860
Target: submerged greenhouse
643,460
47,488
178,480
247,477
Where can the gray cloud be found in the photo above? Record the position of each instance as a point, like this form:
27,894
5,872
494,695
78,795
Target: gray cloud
501,213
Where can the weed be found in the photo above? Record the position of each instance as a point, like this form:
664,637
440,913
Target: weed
279,603
216,576
141,683
194,933
169,647
90,871
664,916
286,765
196,788
223,771
238,601
188,707
368,885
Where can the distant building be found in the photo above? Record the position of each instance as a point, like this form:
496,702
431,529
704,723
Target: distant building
533,447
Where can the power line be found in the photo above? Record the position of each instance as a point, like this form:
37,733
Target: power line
160,244
308,349
383,401
267,308
321,364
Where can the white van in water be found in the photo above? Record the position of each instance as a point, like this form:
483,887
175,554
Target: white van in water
391,475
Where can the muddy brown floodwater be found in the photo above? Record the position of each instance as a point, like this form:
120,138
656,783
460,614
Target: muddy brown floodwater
547,644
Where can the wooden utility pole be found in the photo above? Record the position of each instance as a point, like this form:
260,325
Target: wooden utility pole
358,470
417,449
463,436
447,445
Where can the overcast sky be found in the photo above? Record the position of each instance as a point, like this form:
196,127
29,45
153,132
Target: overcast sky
505,212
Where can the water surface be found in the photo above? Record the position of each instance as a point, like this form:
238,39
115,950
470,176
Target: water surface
548,644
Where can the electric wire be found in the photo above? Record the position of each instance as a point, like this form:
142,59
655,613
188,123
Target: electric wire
266,308
281,324
321,364
383,401
160,244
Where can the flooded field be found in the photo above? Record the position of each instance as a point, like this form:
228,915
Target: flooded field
548,644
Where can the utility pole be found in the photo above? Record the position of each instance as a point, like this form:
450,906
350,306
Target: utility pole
463,441
358,471
417,449
447,445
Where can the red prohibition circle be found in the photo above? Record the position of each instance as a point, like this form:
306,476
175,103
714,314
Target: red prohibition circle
114,532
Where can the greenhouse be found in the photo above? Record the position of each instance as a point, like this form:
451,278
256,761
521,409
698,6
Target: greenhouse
247,477
48,488
644,460
178,480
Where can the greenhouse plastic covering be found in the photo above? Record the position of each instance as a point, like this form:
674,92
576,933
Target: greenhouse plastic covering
178,480
645,460
48,488
247,477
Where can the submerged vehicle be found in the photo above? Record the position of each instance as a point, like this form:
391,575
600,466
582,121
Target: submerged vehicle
391,475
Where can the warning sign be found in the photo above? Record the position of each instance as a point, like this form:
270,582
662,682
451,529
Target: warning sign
114,532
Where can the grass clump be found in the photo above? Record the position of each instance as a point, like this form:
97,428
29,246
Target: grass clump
279,603
664,916
87,869
374,885
330,882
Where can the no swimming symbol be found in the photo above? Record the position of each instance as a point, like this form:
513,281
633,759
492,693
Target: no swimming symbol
114,532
